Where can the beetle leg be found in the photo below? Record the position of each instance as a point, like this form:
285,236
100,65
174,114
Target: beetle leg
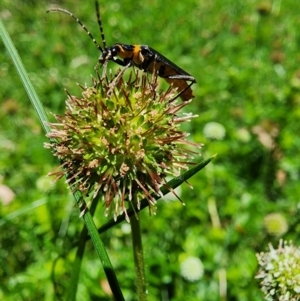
181,76
119,61
182,91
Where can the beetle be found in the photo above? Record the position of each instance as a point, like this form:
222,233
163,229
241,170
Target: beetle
142,56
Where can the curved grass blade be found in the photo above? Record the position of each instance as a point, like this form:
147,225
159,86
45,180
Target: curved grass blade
24,77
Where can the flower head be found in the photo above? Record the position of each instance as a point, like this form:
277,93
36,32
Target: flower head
280,272
275,224
192,269
214,130
120,140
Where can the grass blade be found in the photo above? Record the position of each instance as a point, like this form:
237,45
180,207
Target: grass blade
24,77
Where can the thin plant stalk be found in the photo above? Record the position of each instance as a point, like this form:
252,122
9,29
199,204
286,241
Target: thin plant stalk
138,258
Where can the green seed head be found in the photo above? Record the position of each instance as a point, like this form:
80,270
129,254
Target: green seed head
120,140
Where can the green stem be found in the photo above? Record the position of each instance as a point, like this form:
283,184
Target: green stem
138,258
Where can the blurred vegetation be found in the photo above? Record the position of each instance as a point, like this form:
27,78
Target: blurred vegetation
245,57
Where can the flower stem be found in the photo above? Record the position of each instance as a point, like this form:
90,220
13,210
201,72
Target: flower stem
138,258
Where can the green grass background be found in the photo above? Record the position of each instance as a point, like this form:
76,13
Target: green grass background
245,57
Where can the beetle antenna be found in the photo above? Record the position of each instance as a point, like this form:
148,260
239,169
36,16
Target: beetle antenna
79,22
100,24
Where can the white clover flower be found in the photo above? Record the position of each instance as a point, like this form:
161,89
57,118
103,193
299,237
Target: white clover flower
214,130
243,135
192,269
275,224
280,272
44,184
